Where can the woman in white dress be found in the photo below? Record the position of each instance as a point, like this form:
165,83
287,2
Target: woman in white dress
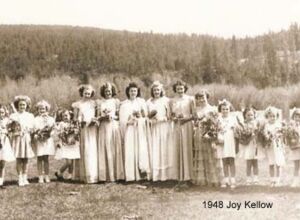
84,113
135,131
6,153
182,115
21,126
164,165
43,140
111,163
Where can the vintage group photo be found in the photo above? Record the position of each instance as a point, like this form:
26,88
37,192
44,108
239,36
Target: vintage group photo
149,109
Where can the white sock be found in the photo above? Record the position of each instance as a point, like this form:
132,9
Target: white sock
1,181
226,180
232,180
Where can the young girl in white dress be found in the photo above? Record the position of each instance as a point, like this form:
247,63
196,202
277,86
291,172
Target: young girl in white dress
226,143
20,136
135,131
111,162
85,113
251,151
6,153
43,140
164,165
274,147
294,153
67,133
182,115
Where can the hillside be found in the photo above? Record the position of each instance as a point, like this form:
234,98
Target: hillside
43,51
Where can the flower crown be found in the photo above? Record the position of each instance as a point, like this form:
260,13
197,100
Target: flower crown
43,103
272,110
22,98
224,102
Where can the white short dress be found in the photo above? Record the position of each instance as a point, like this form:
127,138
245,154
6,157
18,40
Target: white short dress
6,152
227,149
44,148
65,151
21,141
275,149
253,150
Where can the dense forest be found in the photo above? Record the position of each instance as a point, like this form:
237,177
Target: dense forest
271,59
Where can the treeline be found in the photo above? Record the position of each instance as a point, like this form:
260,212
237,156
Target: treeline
43,51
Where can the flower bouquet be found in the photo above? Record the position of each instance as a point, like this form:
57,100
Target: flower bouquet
44,133
245,132
210,125
291,136
14,128
70,134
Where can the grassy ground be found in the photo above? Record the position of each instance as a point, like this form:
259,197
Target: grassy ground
58,200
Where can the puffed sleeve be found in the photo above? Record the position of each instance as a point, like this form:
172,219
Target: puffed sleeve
76,107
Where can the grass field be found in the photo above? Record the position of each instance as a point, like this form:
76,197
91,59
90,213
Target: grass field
58,200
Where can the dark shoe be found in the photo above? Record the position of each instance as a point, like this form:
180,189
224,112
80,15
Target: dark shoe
59,177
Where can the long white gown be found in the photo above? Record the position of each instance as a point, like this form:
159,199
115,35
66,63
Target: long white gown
111,162
136,144
183,136
164,165
88,168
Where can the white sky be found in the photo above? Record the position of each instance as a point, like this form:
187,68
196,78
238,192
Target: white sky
215,17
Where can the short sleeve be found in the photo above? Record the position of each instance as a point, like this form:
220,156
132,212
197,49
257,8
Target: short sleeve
75,105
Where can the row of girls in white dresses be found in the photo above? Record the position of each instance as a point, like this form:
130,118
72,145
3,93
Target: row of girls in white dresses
135,139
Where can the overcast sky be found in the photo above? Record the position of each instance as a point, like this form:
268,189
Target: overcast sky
215,17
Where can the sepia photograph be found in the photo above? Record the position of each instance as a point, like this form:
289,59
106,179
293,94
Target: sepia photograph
139,109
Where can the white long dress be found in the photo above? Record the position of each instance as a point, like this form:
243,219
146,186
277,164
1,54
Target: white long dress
88,168
136,145
21,142
111,162
44,147
164,165
6,152
183,136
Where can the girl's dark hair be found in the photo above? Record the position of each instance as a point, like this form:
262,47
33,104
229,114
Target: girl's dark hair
83,87
16,104
295,112
225,104
113,90
132,85
248,109
180,83
60,112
